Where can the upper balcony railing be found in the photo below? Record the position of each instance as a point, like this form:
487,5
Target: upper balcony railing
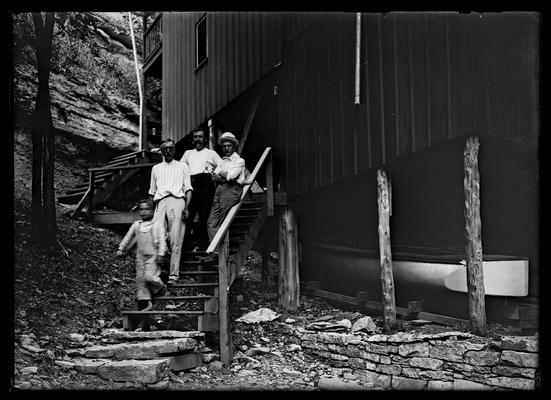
153,37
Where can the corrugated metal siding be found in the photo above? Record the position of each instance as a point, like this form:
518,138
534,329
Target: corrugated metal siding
241,48
425,78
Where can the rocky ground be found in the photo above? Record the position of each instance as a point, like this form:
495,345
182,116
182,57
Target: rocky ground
66,300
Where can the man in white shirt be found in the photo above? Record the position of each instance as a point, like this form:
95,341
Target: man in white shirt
171,190
201,162
229,177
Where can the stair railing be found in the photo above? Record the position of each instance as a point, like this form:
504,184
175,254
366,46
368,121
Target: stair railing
88,197
222,243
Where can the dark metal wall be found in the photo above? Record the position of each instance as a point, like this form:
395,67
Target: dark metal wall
425,78
241,48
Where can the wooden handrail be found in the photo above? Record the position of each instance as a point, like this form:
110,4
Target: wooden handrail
115,168
233,211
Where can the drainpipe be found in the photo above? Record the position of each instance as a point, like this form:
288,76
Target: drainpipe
140,141
357,66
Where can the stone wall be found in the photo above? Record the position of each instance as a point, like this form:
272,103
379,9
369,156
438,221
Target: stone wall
411,361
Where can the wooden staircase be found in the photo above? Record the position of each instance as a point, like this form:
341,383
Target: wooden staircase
103,181
201,298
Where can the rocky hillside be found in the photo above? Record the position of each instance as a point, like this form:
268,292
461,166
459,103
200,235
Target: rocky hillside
93,86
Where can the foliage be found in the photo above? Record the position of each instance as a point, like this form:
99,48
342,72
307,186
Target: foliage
79,53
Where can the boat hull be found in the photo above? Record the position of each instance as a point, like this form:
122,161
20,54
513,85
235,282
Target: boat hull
438,282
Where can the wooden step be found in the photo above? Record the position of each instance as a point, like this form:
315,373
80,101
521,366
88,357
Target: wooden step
71,198
127,155
192,273
196,284
176,298
154,312
248,211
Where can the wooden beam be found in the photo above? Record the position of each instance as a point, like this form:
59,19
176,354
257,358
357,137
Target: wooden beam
269,186
362,303
289,294
387,279
250,118
473,237
226,353
138,165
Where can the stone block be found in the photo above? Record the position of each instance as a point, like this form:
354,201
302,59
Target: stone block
484,357
448,352
463,384
389,369
334,383
439,385
370,378
435,375
426,363
512,383
370,356
417,349
519,359
141,350
86,366
376,348
520,343
402,337
401,383
339,357
410,372
139,371
504,370
186,361
378,338
385,360
117,334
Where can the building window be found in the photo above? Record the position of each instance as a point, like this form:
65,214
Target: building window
201,42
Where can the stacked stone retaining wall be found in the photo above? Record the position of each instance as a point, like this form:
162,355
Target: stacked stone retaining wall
411,361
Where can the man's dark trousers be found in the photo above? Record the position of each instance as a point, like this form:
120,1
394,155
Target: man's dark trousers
201,202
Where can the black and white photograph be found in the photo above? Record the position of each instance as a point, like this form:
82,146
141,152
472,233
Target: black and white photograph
264,201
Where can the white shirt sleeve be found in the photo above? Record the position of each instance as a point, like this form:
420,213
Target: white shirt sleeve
187,179
236,170
153,184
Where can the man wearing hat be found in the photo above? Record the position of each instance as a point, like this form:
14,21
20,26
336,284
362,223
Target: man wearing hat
171,190
229,177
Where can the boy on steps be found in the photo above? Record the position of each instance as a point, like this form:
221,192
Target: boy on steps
151,247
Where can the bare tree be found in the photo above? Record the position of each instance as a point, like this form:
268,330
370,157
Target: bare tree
43,198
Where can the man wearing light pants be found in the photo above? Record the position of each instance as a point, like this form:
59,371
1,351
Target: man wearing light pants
171,190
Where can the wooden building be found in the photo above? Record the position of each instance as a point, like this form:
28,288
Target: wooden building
342,94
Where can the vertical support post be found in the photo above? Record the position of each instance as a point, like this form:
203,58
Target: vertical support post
289,282
145,135
357,63
226,351
387,279
473,237
212,139
91,194
269,187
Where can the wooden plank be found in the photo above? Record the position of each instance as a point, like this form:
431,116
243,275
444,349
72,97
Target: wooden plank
473,237
226,352
387,279
116,168
269,187
288,261
371,305
250,117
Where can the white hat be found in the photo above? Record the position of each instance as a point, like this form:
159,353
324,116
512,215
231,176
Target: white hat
227,136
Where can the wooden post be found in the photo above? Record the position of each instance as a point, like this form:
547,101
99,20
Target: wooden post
91,194
269,187
265,270
226,351
473,237
387,279
289,282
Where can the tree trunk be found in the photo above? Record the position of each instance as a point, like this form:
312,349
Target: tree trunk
44,152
